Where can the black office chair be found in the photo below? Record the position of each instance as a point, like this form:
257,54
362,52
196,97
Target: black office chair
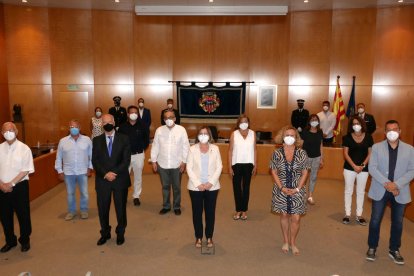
214,132
263,136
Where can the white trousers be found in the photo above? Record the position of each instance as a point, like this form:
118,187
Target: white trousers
137,165
361,181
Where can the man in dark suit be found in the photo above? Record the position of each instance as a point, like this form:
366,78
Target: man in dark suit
170,103
144,113
368,118
111,156
118,112
300,116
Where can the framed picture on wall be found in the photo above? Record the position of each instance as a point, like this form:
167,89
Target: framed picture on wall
266,97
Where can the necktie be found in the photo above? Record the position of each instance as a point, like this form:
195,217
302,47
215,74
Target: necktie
110,146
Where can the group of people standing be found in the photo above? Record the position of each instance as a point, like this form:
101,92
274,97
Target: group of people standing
120,148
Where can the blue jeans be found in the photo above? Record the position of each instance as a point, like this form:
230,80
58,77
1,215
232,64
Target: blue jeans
82,181
397,216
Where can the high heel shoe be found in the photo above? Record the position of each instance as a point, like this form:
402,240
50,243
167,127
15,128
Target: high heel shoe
210,243
236,216
198,243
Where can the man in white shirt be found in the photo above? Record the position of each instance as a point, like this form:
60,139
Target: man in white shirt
168,155
75,154
327,123
16,163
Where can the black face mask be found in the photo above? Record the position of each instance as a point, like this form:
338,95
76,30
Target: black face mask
108,127
117,103
300,106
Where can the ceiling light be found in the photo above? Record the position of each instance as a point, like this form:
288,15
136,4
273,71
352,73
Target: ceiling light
24,1
306,1
116,1
210,1
211,10
400,1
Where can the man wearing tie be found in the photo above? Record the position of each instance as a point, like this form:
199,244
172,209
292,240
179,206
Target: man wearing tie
368,118
111,156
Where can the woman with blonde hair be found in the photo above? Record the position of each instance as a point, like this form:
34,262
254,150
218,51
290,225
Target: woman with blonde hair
289,167
204,168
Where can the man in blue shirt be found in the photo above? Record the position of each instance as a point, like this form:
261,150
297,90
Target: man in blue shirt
73,164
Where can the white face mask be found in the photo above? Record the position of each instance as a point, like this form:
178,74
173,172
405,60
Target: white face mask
289,140
361,110
141,105
357,128
325,108
243,126
169,106
169,122
9,135
392,135
314,123
98,113
203,138
133,116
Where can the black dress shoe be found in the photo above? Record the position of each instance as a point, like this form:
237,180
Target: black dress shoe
25,247
137,202
7,247
177,212
163,211
103,240
120,240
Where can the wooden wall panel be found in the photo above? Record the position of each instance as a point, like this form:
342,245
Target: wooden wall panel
27,40
113,47
353,44
4,89
132,56
231,48
394,102
153,48
393,52
309,59
193,48
39,112
268,65
71,48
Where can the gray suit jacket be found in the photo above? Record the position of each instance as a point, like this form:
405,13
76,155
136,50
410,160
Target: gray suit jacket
403,174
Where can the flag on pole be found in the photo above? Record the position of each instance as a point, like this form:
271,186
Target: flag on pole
338,108
350,111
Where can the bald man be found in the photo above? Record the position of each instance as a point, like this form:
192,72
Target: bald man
16,163
111,156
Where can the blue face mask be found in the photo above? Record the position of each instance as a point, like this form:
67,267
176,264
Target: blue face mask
74,131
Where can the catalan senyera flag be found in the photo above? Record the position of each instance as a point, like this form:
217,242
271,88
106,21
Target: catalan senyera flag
338,108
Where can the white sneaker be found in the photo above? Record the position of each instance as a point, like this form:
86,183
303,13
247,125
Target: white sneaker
69,216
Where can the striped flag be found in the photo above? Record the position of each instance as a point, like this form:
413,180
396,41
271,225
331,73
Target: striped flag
338,108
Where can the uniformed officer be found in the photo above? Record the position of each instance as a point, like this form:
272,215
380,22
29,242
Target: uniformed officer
119,112
300,116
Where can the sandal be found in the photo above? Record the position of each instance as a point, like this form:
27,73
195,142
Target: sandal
295,250
198,243
285,248
236,216
210,243
244,216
